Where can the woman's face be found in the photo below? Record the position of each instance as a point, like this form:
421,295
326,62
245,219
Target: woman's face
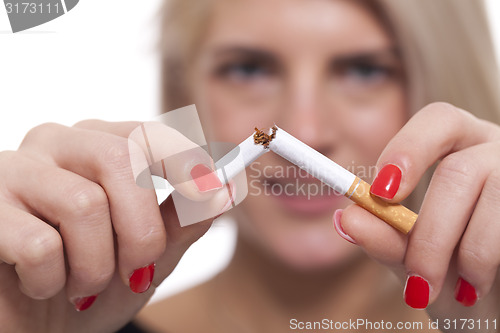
327,72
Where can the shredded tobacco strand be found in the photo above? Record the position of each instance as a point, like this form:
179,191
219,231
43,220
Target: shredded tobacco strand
261,138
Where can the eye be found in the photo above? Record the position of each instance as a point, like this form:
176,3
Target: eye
366,72
244,70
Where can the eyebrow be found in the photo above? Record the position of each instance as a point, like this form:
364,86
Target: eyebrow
245,51
390,54
387,54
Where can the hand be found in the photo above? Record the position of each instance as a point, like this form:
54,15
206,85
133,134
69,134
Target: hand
453,250
74,224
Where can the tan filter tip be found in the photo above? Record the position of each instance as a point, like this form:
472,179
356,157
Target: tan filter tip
395,215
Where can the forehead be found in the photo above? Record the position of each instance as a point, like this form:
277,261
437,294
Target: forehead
341,25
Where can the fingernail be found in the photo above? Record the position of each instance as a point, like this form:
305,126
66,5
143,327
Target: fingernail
465,293
228,205
387,182
338,227
416,292
217,216
232,196
205,179
83,303
141,279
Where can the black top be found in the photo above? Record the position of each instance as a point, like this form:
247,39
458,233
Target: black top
131,328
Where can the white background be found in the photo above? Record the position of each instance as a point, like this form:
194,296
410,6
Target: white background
99,61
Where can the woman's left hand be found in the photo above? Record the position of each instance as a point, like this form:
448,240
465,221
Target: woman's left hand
450,259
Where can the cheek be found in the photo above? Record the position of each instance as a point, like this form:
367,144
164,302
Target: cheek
372,127
216,113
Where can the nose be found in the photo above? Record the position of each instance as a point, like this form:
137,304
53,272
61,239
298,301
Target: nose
305,112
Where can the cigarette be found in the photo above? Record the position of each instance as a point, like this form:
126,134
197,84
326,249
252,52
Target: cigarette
341,180
319,166
238,159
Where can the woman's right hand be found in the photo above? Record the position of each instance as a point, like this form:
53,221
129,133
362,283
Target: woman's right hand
74,224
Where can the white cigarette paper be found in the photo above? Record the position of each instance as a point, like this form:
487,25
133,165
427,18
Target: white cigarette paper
293,150
311,161
238,159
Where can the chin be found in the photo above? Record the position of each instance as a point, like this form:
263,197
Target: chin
300,242
311,256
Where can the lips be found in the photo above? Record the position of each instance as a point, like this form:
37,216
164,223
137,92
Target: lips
302,195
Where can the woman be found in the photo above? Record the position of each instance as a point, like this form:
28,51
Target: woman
343,76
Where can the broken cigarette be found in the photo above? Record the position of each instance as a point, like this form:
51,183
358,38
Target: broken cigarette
238,159
320,167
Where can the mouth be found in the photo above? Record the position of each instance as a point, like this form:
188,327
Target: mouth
305,196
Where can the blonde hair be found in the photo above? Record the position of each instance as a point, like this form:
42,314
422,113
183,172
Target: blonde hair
182,26
445,46
448,54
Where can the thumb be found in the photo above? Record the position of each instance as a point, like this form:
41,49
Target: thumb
199,193
378,239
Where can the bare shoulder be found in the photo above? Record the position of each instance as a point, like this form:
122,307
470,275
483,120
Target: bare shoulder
183,312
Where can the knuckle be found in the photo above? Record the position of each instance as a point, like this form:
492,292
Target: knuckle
97,277
87,198
40,292
7,155
425,247
492,186
115,155
40,247
152,239
453,118
477,256
87,123
425,243
39,132
8,158
444,110
456,169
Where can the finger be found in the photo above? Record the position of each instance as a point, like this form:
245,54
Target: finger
445,212
434,132
79,209
378,239
180,238
36,251
104,159
121,128
479,251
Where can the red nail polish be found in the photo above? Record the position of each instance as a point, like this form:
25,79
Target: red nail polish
83,303
204,178
387,182
465,293
141,279
417,292
338,227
